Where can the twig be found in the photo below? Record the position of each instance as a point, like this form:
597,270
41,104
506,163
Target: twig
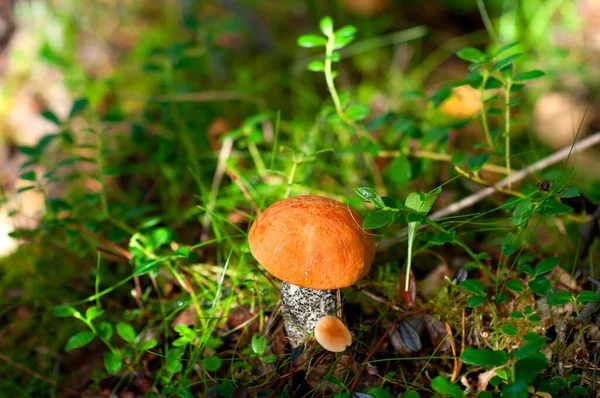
379,299
38,376
516,177
457,363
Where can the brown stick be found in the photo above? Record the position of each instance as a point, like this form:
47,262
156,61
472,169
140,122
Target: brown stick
469,201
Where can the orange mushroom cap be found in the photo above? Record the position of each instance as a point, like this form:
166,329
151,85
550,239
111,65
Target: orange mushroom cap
312,242
332,334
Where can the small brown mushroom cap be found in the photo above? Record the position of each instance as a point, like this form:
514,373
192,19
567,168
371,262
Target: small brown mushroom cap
332,334
312,242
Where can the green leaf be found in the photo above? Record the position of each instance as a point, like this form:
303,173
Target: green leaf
546,265
409,394
571,192
346,31
493,83
147,345
473,287
471,54
180,342
496,381
540,286
29,176
476,301
444,386
126,332
505,61
483,357
515,286
341,42
79,340
316,66
574,378
559,297
65,311
529,368
517,389
50,116
369,195
326,25
27,188
357,112
530,75
581,390
310,41
587,297
522,213
378,219
551,207
516,315
378,392
259,344
78,106
146,268
531,347
105,330
526,268
478,161
508,247
29,150
509,329
422,202
505,48
93,313
440,238
112,362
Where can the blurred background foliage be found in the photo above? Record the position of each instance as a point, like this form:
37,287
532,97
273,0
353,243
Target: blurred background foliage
122,110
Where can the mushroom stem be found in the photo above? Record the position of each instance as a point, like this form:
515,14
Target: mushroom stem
302,309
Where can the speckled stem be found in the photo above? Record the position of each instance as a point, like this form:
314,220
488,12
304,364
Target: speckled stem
302,308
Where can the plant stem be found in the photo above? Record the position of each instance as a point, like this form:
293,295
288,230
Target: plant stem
329,76
507,128
484,121
290,179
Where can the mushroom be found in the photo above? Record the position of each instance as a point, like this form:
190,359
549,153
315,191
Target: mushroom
332,334
315,245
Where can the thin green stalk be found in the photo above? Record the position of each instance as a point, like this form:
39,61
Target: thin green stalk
97,281
329,76
507,129
290,179
487,21
484,121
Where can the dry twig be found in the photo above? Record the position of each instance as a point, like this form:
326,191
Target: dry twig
518,176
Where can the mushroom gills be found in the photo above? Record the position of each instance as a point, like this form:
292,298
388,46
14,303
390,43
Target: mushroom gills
302,309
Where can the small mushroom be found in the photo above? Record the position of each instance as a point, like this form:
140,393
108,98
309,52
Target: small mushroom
315,245
332,334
